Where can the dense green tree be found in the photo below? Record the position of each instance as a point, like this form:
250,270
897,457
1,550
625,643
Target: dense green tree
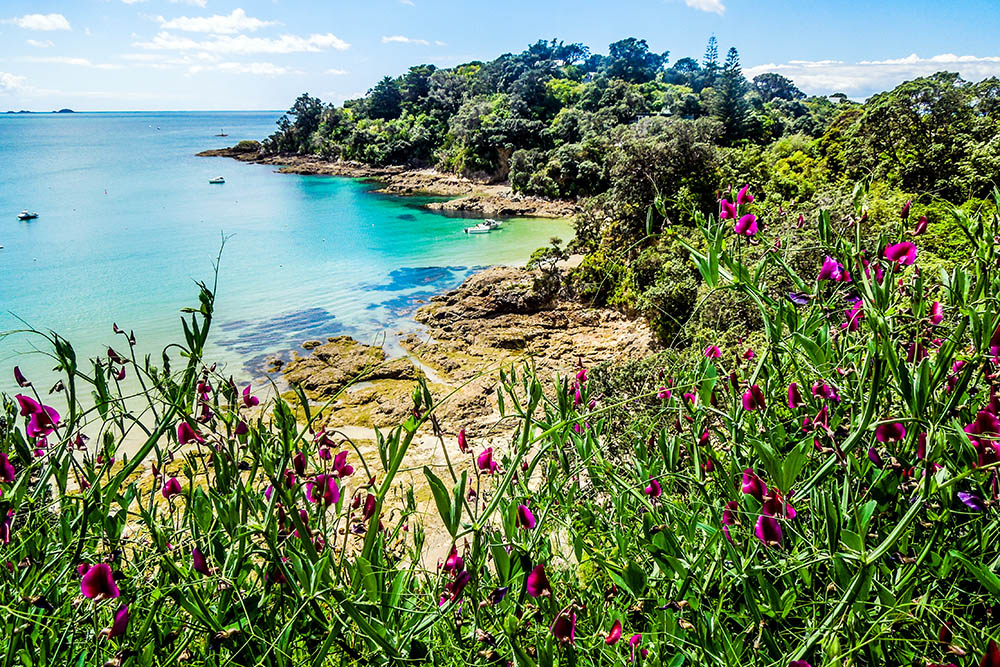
630,59
729,104
384,100
772,86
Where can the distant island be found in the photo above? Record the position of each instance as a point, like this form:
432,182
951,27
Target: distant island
60,111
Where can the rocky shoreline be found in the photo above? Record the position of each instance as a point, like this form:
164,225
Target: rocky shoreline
467,196
496,319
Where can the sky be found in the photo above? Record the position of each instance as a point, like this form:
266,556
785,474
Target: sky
96,55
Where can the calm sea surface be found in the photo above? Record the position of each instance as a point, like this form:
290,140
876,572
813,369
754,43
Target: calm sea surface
128,222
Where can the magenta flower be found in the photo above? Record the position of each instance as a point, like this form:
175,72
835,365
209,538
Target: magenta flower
921,226
340,465
248,400
775,505
729,518
454,562
905,212
98,583
463,443
633,643
453,589
663,393
42,419
768,530
186,433
5,527
937,313
615,634
20,379
564,627
752,485
119,625
7,470
653,490
875,458
903,254
525,518
199,563
854,315
794,397
821,389
890,433
744,196
538,584
799,663
323,489
242,428
171,488
747,225
713,352
486,463
753,399
726,210
832,270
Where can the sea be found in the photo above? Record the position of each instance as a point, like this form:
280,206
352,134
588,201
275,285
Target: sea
129,224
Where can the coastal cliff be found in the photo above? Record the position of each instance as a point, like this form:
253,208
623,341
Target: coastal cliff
468,196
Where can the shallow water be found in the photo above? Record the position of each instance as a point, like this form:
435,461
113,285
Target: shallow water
129,223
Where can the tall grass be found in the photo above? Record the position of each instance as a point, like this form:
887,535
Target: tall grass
828,498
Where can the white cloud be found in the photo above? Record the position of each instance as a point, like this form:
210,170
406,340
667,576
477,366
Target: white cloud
10,83
337,72
866,77
714,6
244,45
400,39
236,22
194,3
68,60
41,44
40,22
259,69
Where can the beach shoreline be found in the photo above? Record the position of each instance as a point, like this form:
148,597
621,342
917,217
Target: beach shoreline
466,195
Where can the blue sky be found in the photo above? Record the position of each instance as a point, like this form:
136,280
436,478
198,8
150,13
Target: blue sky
259,54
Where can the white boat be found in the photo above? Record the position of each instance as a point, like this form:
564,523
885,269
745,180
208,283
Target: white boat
26,215
481,228
492,223
217,180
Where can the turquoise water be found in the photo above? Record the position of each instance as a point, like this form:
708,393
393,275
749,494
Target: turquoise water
128,223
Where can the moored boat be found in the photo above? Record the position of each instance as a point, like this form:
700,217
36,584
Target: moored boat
481,228
26,215
218,180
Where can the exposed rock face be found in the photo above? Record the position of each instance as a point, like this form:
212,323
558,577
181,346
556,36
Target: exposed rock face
339,362
471,196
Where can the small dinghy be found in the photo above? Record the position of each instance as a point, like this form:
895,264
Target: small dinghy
26,215
481,228
218,180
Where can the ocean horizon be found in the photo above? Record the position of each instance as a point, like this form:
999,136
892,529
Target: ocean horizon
128,223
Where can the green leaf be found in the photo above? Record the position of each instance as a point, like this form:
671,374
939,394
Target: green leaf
442,499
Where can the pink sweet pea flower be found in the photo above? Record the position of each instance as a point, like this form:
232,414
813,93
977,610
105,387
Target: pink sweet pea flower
903,254
538,584
248,400
713,352
323,489
20,379
890,433
454,562
98,583
486,463
633,643
525,517
747,225
7,470
799,663
186,433
753,399
653,490
905,212
744,196
768,530
752,485
199,563
564,627
463,442
615,634
726,210
921,226
937,313
5,527
171,488
854,315
119,625
833,270
794,397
